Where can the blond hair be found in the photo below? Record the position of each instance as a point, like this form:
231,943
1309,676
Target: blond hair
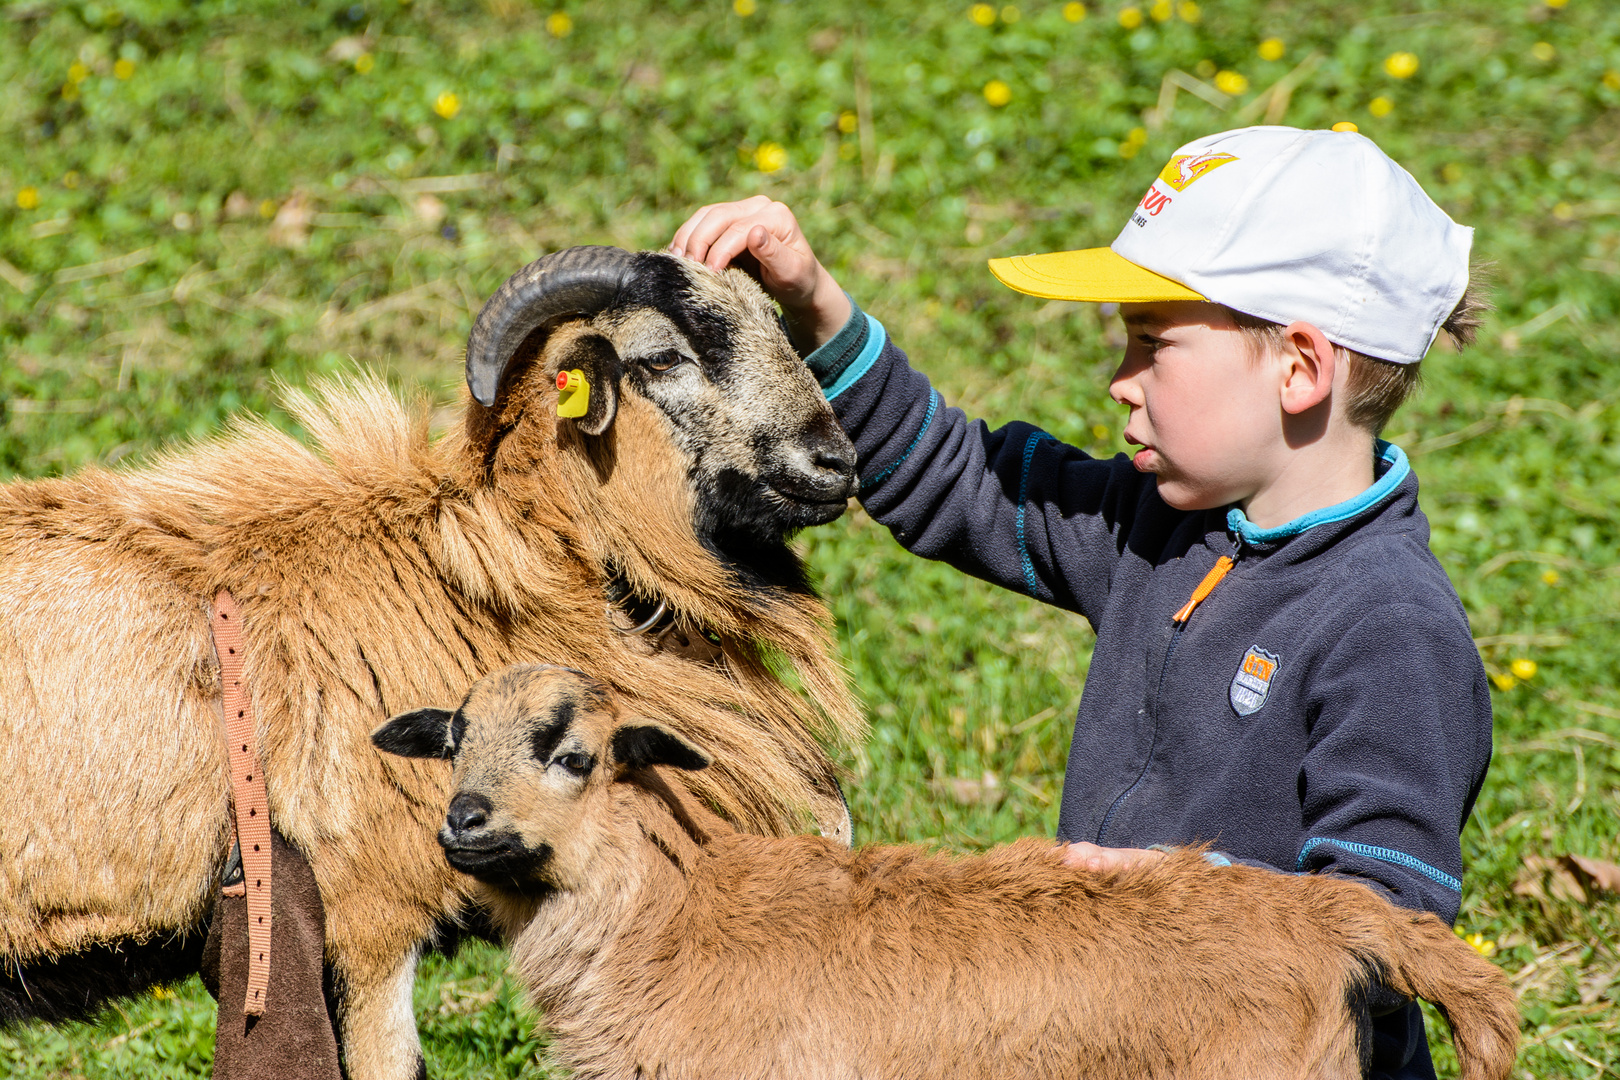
1375,388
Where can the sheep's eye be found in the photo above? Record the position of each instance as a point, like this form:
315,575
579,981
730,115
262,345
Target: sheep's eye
578,764
665,360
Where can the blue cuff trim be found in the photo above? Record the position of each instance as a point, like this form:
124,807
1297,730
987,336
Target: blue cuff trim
1382,854
1392,457
876,338
928,418
1030,581
1215,858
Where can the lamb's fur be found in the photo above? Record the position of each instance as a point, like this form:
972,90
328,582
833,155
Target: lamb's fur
658,941
377,569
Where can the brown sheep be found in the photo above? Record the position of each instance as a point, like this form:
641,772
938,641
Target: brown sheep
382,569
660,942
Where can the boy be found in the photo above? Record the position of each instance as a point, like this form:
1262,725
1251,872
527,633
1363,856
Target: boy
1282,669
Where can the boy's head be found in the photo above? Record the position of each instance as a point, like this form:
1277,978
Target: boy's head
1308,254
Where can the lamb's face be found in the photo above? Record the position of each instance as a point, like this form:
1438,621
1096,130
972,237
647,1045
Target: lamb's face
766,454
536,749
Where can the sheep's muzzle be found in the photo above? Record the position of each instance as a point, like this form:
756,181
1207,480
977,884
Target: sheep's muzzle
495,857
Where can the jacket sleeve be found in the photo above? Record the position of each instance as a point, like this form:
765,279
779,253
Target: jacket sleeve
1013,506
1400,742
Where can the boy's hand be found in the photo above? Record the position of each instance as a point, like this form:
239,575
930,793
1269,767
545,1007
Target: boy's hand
1087,856
813,305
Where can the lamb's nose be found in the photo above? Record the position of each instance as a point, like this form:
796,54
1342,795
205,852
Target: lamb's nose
835,461
467,813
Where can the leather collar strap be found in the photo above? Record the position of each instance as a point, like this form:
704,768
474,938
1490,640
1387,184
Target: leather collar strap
248,793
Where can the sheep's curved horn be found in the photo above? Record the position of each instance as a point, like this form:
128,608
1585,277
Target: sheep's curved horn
572,282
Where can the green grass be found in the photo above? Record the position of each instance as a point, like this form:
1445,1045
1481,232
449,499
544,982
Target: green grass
247,206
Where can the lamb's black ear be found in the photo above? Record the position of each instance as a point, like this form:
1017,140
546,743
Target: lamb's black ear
599,361
421,733
639,745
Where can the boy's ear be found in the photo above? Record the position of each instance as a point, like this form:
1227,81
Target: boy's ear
637,746
421,733
1313,364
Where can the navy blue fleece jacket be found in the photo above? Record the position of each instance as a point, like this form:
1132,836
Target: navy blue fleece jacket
1323,709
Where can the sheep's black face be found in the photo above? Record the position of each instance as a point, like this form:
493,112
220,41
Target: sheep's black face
766,453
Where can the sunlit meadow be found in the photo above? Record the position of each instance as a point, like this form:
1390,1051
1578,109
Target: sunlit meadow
201,201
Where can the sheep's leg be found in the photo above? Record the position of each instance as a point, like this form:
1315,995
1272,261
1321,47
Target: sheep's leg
379,1026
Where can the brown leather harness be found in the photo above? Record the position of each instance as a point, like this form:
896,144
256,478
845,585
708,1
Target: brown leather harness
248,795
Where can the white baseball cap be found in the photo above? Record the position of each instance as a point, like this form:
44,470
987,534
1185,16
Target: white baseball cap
1285,225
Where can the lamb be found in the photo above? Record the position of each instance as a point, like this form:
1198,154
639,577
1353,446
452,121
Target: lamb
658,941
643,540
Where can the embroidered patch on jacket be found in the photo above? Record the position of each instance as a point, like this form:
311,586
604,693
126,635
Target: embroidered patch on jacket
1253,680
1185,168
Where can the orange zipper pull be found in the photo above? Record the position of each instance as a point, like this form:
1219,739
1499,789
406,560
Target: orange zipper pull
1205,587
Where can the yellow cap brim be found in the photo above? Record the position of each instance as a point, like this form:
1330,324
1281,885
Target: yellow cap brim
1092,274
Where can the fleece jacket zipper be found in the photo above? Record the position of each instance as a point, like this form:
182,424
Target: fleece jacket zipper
1217,574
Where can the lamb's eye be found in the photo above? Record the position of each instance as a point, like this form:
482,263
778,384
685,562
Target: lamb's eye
665,360
578,764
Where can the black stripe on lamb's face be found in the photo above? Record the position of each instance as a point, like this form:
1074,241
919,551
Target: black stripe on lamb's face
766,453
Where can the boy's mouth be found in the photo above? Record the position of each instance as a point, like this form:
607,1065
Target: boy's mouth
1145,458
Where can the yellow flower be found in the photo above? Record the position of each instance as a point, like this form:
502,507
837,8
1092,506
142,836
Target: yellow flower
1556,3
1380,106
848,121
1230,82
364,63
1161,10
559,25
770,157
1504,681
1611,79
997,93
1481,944
1130,18
1100,431
1452,173
1523,669
123,69
70,91
1346,125
1272,49
267,209
1133,143
77,72
1543,51
983,14
1549,576
161,993
28,198
447,105
744,8
1009,14
1075,11
70,179
1189,11
1401,65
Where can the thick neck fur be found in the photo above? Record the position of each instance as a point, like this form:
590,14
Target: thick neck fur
476,553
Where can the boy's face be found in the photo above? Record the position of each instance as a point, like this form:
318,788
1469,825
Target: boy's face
1205,410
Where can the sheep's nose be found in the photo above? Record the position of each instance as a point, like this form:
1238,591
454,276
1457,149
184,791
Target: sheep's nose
467,813
835,461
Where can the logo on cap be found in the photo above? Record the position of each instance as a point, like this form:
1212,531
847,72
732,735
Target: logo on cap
1253,680
1186,168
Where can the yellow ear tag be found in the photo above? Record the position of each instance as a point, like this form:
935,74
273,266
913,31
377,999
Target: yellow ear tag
573,393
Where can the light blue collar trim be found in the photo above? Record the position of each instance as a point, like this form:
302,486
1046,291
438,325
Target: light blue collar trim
1396,468
875,340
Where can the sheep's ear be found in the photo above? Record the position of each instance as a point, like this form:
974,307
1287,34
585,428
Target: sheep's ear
639,745
595,357
421,733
